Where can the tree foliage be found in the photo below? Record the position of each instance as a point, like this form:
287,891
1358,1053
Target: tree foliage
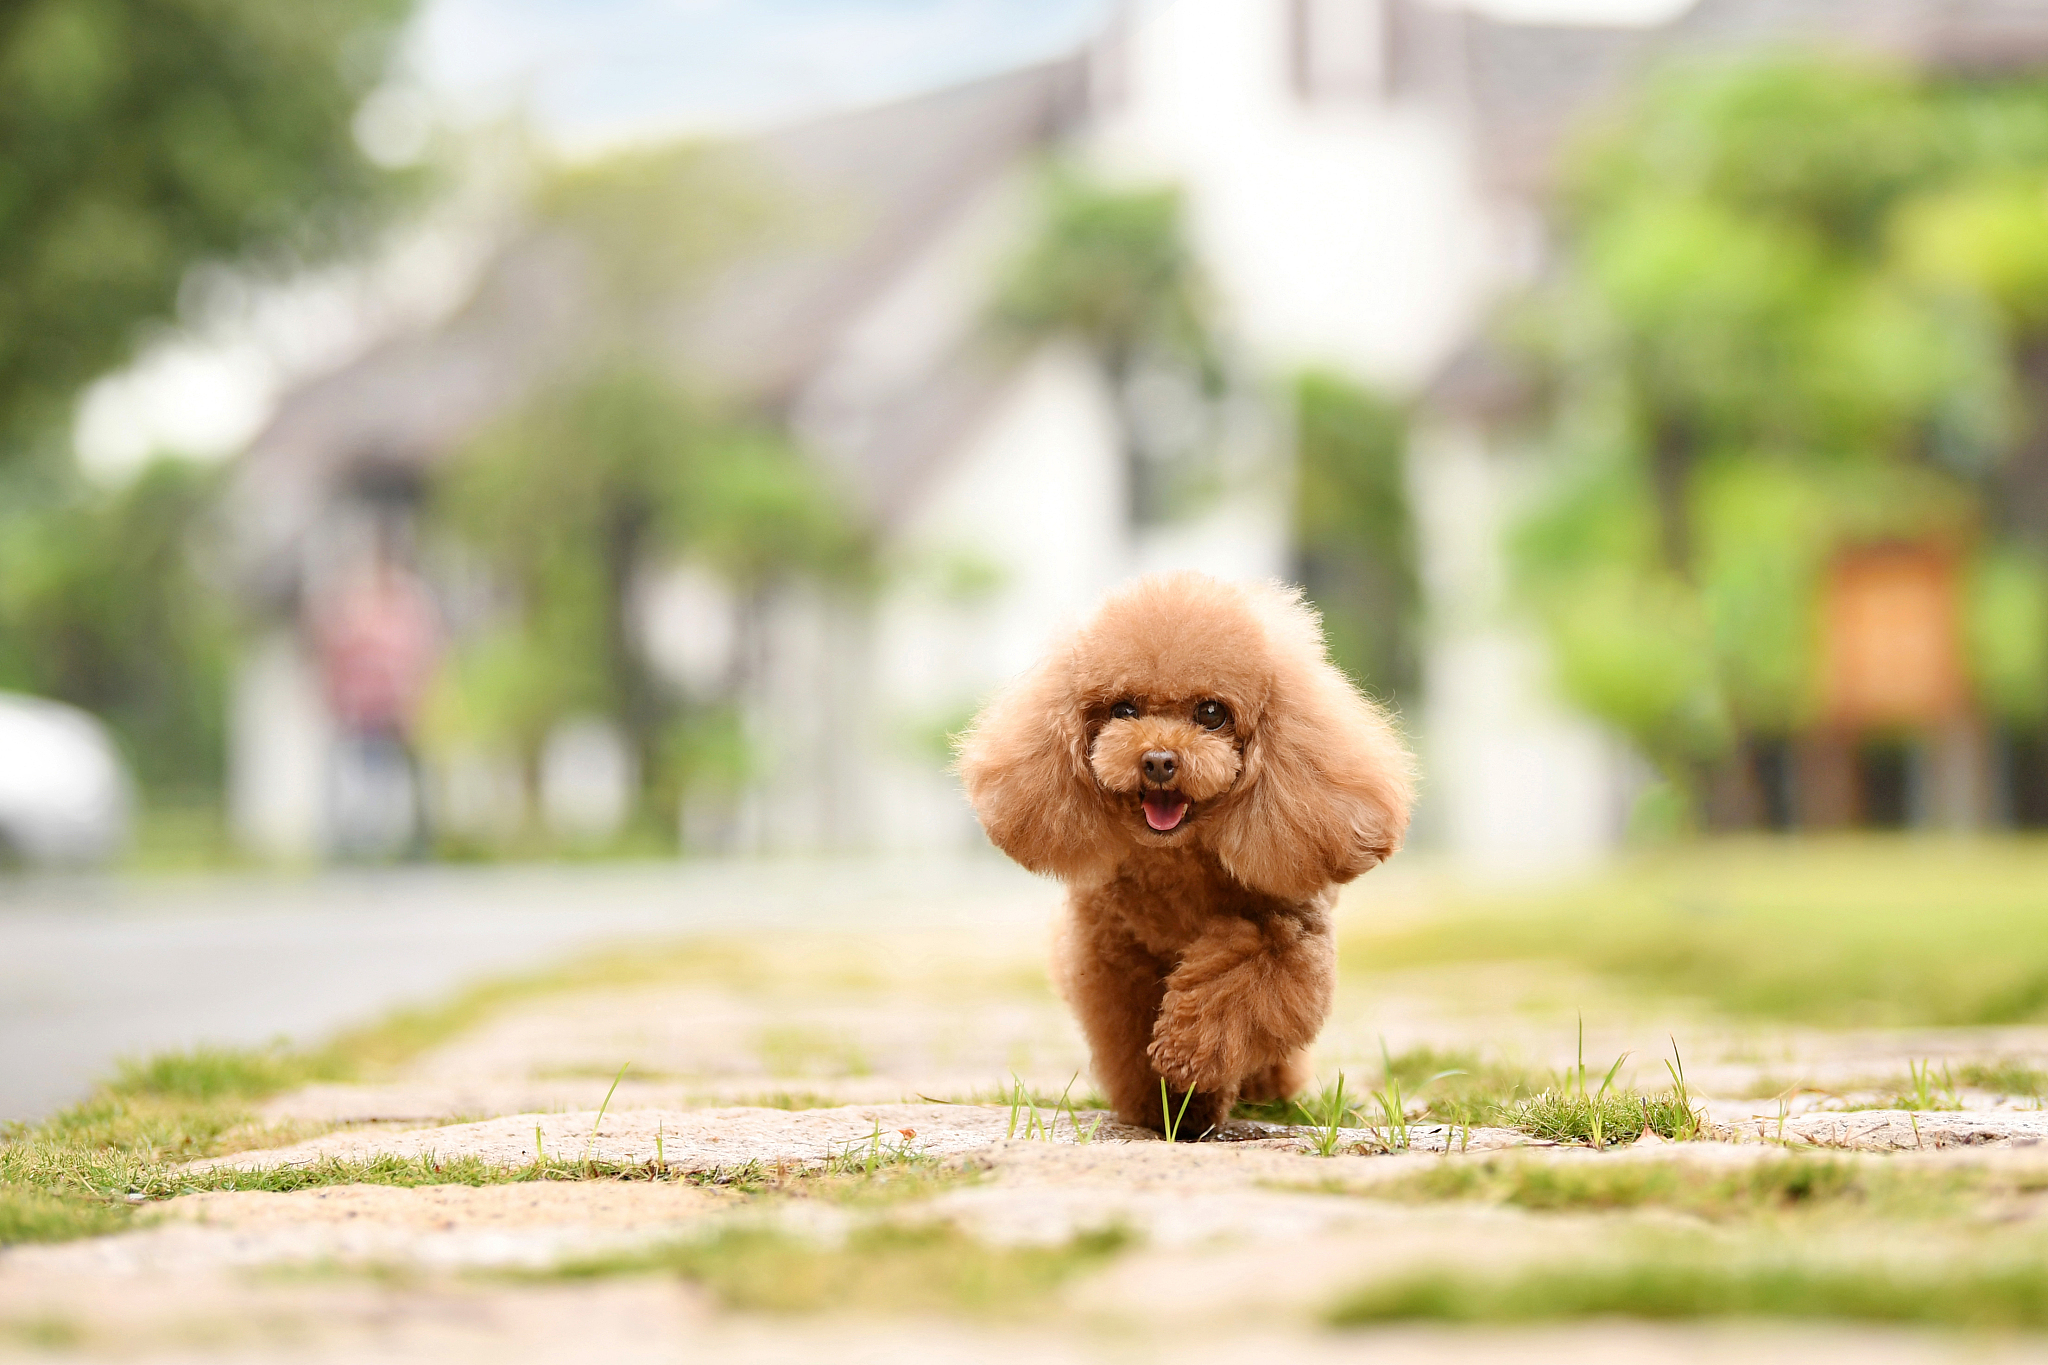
613,470
1797,307
1353,533
139,138
567,501
101,605
1114,267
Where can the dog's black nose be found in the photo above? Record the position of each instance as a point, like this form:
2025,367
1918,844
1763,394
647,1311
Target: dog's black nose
1160,766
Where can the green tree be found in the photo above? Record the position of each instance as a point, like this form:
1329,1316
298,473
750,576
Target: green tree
1796,297
567,501
101,605
139,138
1353,533
1113,268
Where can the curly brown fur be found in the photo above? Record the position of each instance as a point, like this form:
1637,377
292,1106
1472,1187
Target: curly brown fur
1201,848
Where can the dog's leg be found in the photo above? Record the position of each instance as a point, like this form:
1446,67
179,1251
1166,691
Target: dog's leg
1282,1080
1247,995
1115,986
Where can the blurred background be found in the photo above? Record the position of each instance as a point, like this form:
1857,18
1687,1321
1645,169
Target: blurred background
497,429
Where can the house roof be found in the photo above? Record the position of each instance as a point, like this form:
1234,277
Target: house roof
1483,381
1528,87
869,188
875,185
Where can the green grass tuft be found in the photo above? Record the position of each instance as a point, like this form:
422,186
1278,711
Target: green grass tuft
207,1074
789,1100
1457,1087
1464,1090
2005,1076
70,1175
1602,1120
45,1332
1460,1086
881,1268
1777,1184
32,1214
1668,1287
1327,1119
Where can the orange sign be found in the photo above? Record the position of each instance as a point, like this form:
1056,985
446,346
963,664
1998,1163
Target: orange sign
1892,639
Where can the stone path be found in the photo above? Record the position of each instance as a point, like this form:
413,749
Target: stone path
890,1047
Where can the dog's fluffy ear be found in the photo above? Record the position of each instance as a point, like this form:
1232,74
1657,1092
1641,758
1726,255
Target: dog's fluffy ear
1327,781
1024,763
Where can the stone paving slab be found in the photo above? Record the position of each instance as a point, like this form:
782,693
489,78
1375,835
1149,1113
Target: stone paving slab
530,1225
650,1321
1896,1130
695,1140
703,1140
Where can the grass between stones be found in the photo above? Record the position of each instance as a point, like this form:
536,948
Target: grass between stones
1679,1284
2002,1076
885,1176
1774,1185
1459,1088
879,1268
84,1171
89,1169
79,1173
44,1332
72,1174
1857,930
1926,1086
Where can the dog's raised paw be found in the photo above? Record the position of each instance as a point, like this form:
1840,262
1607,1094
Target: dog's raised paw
1178,1068
1184,1065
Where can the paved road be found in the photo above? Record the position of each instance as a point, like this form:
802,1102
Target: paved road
93,970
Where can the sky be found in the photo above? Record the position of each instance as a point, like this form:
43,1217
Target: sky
596,73
584,76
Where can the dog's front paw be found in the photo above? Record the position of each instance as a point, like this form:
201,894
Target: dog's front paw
1183,1068
1189,1052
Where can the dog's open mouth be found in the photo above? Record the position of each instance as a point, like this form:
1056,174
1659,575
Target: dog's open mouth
1164,809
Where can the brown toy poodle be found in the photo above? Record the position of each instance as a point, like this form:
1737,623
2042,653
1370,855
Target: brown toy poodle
1202,778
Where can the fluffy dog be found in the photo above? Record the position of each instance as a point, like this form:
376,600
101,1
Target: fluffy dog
1202,778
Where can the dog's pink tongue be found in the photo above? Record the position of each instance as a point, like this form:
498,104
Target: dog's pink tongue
1163,810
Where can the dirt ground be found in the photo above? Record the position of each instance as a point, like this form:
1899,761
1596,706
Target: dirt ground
850,1046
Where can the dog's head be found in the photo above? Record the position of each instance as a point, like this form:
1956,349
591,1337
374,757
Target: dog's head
1191,712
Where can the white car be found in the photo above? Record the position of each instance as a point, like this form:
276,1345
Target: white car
65,795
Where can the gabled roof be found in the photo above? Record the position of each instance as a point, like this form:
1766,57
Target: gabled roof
1529,87
872,186
876,186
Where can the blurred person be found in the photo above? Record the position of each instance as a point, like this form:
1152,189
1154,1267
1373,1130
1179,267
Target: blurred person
378,638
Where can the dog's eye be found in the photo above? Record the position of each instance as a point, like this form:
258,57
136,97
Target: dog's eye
1124,710
1212,715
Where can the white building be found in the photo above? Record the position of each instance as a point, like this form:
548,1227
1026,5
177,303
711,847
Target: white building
1362,179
